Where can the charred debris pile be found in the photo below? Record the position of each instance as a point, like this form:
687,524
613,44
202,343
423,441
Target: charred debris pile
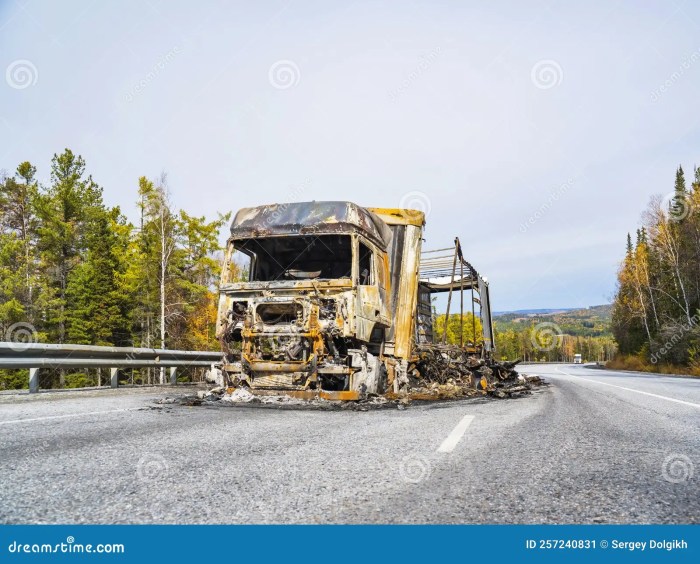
447,373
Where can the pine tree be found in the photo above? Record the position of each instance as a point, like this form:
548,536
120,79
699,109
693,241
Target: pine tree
18,217
629,245
63,210
680,194
94,304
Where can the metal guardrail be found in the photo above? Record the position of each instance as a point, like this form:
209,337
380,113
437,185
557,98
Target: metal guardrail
35,356
601,362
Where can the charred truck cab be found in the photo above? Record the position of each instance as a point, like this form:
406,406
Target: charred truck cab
327,304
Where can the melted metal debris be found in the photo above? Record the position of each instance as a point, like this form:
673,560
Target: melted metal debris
460,387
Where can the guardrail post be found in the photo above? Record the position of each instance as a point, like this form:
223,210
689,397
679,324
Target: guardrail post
173,375
33,380
114,375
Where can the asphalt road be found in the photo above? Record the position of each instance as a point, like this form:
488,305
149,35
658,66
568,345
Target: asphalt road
592,447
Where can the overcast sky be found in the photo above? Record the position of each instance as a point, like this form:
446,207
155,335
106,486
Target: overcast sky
534,131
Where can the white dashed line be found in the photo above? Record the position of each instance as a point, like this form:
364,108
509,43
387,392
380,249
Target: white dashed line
449,444
50,417
630,389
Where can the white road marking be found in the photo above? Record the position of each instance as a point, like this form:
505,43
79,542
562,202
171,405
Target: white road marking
449,444
631,389
50,417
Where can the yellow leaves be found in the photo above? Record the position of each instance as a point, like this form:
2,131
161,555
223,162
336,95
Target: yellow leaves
201,324
471,328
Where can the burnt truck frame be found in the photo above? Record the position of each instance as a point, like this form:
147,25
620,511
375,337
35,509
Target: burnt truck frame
337,303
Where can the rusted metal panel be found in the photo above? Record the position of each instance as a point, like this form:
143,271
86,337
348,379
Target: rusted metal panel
400,216
404,256
485,299
310,394
292,286
263,366
309,218
404,316
278,381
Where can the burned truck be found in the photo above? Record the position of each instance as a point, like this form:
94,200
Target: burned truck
335,300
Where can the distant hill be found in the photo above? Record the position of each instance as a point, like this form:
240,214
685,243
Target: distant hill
532,311
593,321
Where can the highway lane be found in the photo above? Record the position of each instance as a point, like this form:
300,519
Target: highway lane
592,447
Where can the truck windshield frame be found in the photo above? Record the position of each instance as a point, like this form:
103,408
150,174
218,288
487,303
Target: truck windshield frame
298,257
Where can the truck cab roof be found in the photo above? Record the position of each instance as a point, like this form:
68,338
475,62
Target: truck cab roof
309,218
